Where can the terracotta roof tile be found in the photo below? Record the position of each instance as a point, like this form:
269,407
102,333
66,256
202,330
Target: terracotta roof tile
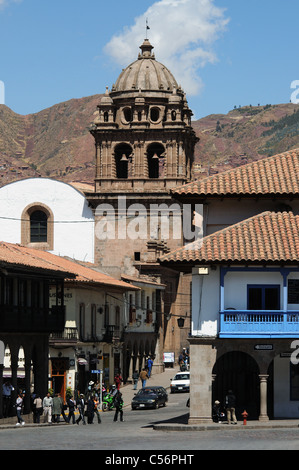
20,255
273,175
269,237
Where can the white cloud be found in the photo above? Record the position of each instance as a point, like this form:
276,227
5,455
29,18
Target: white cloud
4,3
182,32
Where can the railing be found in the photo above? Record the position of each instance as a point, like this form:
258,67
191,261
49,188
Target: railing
31,319
259,324
67,335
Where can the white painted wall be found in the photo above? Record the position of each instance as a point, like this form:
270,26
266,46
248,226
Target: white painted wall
68,205
206,296
205,303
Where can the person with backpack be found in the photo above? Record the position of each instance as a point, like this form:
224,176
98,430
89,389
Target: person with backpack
118,403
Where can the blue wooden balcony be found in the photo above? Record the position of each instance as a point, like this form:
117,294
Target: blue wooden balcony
259,324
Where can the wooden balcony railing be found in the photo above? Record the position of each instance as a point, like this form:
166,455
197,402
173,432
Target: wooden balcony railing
259,324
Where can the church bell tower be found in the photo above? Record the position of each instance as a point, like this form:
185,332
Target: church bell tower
143,135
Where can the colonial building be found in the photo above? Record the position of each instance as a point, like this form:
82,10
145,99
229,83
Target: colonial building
245,289
27,318
144,146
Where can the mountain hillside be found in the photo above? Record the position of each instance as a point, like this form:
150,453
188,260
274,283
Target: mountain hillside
243,135
56,142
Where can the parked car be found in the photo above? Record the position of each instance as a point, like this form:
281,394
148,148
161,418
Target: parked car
150,397
180,382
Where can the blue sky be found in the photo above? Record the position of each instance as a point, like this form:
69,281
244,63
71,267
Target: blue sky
222,52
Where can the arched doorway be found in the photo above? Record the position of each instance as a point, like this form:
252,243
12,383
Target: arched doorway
239,372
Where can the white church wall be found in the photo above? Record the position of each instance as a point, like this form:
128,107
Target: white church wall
73,219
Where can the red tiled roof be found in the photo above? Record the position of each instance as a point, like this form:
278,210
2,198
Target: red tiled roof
16,255
270,237
273,175
75,272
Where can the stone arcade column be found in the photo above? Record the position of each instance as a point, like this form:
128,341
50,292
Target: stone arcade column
202,360
263,398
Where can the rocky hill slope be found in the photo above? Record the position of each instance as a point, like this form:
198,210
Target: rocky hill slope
56,142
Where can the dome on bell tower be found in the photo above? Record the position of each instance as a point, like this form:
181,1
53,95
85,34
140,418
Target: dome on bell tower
145,74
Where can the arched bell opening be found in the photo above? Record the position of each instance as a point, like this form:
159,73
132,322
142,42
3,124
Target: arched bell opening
156,160
123,161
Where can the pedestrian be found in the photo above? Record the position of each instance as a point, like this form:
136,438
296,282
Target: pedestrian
149,366
37,409
96,409
47,408
143,376
19,404
71,406
217,413
135,378
81,408
57,407
90,410
7,388
118,380
118,403
230,403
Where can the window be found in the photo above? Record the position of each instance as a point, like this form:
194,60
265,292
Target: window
117,319
38,227
82,321
263,297
155,114
22,300
128,114
35,294
93,321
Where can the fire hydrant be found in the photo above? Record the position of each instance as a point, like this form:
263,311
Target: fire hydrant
244,414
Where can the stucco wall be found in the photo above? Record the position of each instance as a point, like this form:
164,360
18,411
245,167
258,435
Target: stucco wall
73,219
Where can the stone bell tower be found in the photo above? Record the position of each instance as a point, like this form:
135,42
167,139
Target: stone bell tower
143,134
144,147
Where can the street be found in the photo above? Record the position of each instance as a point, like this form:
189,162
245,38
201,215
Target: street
135,437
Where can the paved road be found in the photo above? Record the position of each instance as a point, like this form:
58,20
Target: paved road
136,436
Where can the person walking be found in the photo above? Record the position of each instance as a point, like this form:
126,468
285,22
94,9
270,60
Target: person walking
71,406
135,378
118,403
149,366
143,377
81,408
230,402
57,407
90,410
47,408
118,380
37,409
19,404
96,409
